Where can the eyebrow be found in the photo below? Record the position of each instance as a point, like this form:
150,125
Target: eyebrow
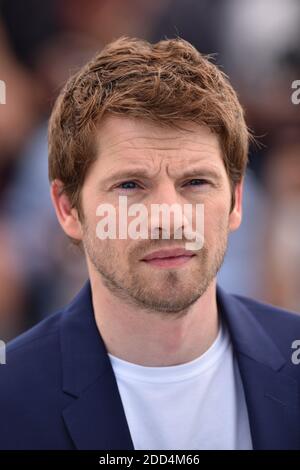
143,173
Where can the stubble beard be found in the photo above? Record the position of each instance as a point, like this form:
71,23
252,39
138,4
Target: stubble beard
164,291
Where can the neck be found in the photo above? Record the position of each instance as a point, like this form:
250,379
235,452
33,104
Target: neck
154,339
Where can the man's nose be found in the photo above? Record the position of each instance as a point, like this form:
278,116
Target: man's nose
166,216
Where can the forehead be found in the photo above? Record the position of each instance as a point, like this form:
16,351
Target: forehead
125,141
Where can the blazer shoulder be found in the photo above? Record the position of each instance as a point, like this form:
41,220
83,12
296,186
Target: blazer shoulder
280,324
30,354
37,334
269,312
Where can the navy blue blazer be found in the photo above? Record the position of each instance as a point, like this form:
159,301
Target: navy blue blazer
58,389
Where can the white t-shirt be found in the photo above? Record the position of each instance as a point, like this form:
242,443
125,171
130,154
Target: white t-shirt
192,406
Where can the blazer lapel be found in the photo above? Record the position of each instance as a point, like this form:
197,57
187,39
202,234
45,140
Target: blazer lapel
271,393
95,419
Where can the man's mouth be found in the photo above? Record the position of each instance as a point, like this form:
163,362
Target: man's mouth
169,258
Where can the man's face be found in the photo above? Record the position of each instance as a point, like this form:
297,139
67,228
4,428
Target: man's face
148,164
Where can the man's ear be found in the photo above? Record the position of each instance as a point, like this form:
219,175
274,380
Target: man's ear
67,216
235,217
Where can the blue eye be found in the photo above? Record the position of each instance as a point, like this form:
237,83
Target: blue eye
197,182
128,185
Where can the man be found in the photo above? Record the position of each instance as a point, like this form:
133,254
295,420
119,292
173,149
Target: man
151,354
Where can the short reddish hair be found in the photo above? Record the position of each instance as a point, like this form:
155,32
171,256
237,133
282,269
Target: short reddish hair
168,82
